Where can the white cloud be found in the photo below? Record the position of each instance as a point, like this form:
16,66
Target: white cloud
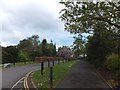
23,18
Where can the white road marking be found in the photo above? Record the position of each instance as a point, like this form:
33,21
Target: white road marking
17,83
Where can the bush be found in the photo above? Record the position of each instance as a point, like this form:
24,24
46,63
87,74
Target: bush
113,62
118,73
24,56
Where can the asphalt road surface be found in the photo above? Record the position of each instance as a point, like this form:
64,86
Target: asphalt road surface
11,75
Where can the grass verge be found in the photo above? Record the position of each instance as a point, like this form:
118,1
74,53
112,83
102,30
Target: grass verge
59,72
0,66
22,63
17,64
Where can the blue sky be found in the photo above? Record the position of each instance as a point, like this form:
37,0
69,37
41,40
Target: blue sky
20,19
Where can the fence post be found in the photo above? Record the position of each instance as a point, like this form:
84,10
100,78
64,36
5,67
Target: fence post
53,62
42,67
51,76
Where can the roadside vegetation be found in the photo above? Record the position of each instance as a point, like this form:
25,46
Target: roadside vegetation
0,66
31,47
59,72
100,22
22,63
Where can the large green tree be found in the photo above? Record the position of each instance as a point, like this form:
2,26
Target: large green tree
9,54
101,44
31,45
80,16
44,48
103,18
51,49
78,46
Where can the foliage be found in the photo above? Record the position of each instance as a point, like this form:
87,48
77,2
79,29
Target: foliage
78,46
5,56
28,49
118,74
80,16
9,54
100,45
44,47
23,56
65,52
113,62
51,49
31,46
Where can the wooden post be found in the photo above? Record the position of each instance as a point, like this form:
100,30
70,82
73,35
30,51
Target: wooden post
42,67
51,76
53,62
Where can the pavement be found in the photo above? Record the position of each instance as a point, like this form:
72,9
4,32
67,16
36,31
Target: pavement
83,75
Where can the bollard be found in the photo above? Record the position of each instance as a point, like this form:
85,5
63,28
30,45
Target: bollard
51,77
53,62
42,67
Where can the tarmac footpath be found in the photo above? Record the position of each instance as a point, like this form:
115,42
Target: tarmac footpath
83,75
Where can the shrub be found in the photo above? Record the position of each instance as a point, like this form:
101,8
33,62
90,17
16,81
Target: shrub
24,56
118,73
113,62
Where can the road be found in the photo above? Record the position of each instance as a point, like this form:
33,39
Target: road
11,75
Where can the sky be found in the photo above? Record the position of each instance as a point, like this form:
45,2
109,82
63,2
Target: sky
20,19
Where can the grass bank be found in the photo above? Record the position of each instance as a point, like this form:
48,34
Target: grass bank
23,64
59,72
17,64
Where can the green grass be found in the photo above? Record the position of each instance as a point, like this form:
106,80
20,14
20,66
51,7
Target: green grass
18,64
23,64
59,72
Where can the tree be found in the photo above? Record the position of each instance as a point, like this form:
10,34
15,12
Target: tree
5,56
10,54
80,16
51,49
100,45
65,52
25,45
31,45
36,48
23,56
78,46
44,47
102,18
